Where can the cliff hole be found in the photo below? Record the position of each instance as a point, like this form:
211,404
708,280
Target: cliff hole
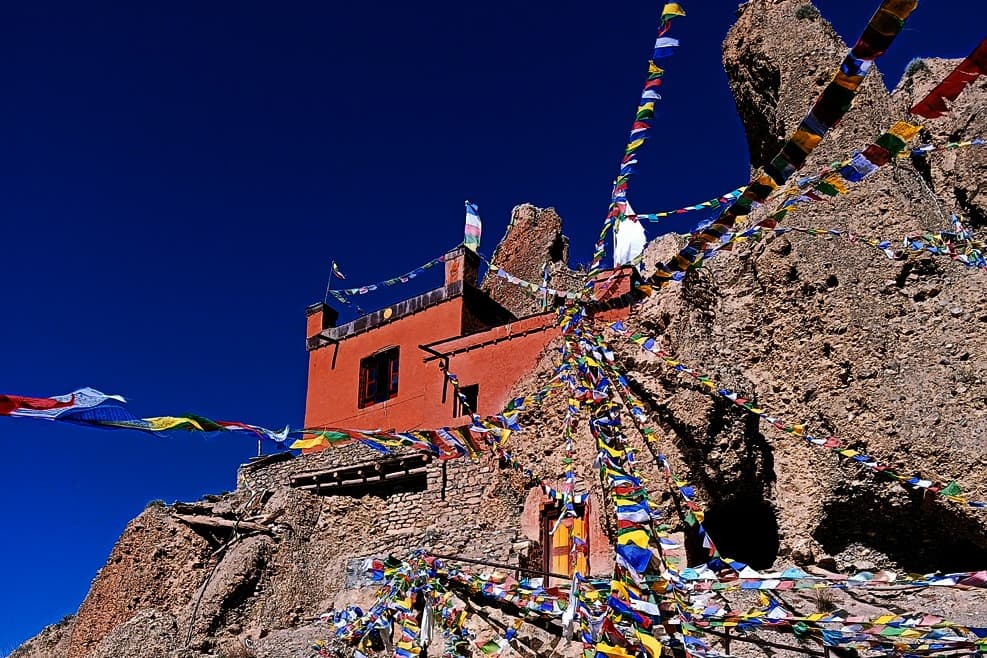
743,528
922,537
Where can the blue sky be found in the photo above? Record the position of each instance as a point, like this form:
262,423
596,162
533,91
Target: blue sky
176,177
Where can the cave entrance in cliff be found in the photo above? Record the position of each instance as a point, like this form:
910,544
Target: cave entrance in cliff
919,537
743,528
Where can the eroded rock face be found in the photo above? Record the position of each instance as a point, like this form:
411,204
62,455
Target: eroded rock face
156,564
52,641
885,355
778,63
148,634
957,178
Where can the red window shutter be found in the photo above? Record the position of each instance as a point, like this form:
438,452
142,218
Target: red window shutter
392,390
362,392
368,382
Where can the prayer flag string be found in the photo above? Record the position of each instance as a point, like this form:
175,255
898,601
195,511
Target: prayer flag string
643,118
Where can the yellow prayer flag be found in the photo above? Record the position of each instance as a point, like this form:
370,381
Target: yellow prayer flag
161,423
849,82
650,644
805,140
308,444
767,181
637,537
672,9
617,652
837,182
900,8
904,131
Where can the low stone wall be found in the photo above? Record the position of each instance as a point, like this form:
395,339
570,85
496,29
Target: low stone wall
456,512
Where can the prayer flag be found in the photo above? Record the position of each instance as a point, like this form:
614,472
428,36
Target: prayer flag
651,645
55,406
671,10
934,105
336,272
664,47
633,557
473,227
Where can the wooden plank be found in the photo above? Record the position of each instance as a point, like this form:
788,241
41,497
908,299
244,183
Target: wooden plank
203,521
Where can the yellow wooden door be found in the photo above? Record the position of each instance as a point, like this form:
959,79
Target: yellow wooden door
559,556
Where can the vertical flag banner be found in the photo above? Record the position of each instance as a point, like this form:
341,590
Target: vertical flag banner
643,118
472,238
333,271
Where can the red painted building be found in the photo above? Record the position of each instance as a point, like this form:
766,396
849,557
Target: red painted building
383,370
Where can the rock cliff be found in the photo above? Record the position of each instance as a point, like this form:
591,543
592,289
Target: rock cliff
887,355
884,354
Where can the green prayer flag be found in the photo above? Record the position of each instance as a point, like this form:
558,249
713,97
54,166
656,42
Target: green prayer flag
951,489
891,143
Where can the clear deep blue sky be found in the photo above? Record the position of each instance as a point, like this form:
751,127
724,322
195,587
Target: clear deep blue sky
176,177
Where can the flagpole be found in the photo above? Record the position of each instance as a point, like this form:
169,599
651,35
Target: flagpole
328,285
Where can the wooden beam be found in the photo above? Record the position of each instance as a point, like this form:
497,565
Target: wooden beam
203,521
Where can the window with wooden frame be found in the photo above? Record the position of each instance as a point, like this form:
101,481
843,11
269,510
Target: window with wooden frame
379,377
471,393
557,555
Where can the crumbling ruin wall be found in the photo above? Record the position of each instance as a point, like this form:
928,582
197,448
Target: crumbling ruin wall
533,240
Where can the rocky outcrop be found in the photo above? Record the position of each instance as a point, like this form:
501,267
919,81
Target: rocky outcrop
533,241
885,355
957,178
148,634
156,564
778,57
52,641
